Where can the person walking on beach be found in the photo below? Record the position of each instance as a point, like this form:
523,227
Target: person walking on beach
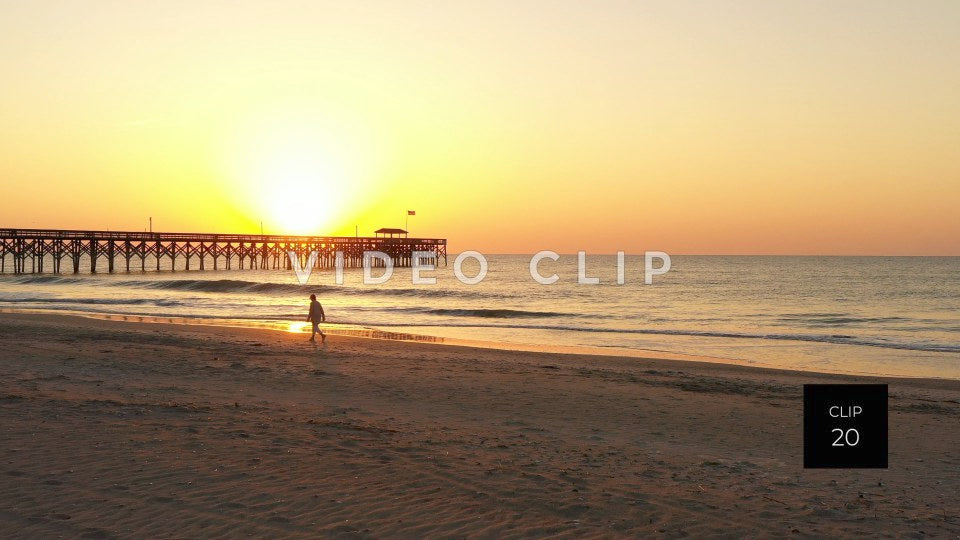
316,316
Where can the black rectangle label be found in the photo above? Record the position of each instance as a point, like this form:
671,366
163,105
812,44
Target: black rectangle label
845,426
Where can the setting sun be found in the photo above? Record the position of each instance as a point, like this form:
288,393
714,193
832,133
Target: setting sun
290,170
300,191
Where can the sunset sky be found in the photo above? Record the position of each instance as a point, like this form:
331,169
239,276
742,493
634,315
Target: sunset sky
690,127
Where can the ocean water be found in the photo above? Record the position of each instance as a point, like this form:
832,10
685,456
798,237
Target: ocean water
897,316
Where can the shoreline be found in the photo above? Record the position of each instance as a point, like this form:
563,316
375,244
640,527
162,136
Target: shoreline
693,363
178,430
371,332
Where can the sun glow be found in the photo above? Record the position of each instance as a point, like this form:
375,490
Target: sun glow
298,173
300,191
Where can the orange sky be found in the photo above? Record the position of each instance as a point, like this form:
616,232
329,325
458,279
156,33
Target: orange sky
689,127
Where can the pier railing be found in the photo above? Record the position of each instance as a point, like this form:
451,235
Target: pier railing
40,250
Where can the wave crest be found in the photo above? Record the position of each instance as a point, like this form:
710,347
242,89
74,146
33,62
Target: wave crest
236,285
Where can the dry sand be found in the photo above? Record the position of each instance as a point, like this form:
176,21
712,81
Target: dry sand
132,430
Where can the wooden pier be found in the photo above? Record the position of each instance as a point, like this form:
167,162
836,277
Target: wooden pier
43,250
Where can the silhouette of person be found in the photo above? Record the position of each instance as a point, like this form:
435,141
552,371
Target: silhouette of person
316,316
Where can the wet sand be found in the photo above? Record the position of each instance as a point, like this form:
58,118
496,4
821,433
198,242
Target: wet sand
114,429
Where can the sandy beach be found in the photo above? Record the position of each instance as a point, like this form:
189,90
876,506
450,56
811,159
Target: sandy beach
114,429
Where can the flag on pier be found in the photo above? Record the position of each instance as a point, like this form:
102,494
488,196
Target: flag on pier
411,213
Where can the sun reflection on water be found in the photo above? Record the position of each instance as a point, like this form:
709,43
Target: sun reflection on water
297,327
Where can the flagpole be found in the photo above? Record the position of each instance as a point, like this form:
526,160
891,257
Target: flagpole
407,222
